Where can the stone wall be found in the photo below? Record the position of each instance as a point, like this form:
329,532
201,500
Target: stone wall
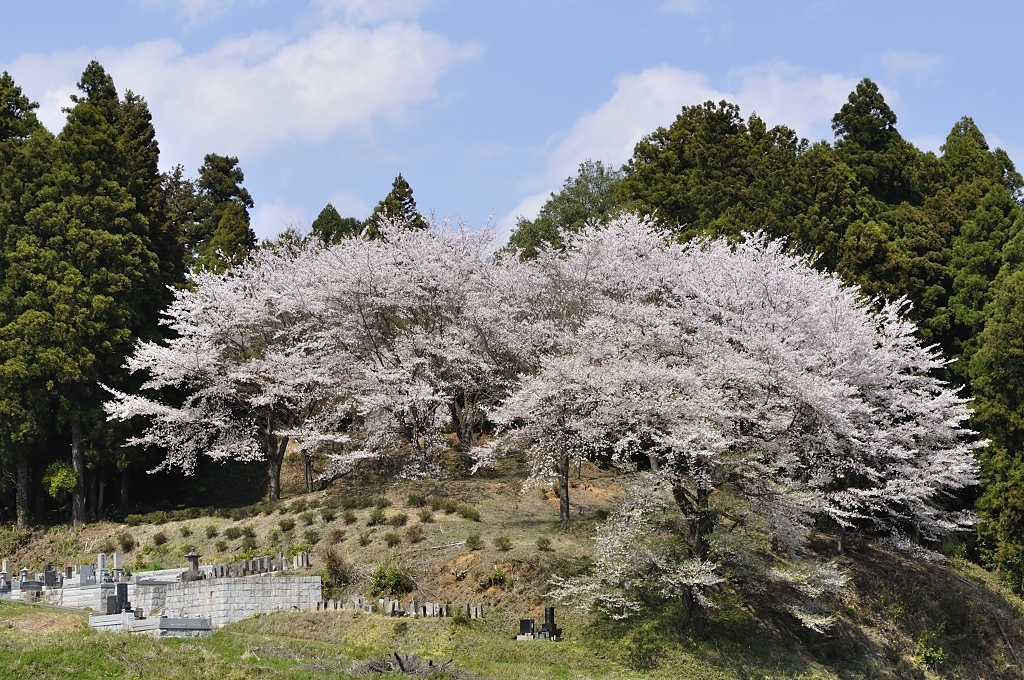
225,600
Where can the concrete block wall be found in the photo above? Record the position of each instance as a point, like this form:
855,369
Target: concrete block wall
150,598
224,600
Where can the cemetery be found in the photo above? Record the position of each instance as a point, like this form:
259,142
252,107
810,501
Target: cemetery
170,601
195,601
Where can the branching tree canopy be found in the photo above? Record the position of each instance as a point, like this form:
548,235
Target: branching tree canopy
756,393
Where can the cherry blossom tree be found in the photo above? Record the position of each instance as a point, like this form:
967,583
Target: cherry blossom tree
248,368
754,395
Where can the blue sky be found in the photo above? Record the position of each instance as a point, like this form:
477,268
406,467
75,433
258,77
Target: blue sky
485,107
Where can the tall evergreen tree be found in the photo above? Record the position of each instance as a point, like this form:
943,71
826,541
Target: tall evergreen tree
232,240
867,141
219,186
81,269
712,173
398,205
25,147
331,228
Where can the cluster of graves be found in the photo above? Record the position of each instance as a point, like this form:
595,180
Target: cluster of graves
549,631
413,608
170,601
193,601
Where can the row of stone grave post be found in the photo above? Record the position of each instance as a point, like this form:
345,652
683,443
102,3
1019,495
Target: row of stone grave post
414,608
259,565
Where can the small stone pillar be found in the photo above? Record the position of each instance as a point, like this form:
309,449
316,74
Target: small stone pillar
118,568
24,574
193,561
101,567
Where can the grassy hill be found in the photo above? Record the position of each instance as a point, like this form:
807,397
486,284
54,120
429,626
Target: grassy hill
899,617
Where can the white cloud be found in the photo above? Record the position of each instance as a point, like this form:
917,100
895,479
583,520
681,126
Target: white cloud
785,95
270,219
195,11
909,62
779,93
528,208
249,94
370,11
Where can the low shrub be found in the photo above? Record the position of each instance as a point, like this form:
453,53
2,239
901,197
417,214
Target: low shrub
335,536
159,538
474,541
307,518
498,577
348,517
211,531
426,515
397,520
338,573
133,520
392,581
126,541
468,512
328,516
248,532
232,533
298,506
311,536
355,502
544,544
106,546
237,514
366,538
248,543
274,536
503,543
392,539
414,533
185,531
376,517
416,500
381,502
286,524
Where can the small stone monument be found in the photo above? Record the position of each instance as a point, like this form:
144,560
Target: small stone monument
193,573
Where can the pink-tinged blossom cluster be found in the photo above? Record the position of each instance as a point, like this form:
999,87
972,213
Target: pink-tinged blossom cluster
733,383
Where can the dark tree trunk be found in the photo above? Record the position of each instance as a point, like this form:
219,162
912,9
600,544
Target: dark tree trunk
275,455
702,523
124,492
692,615
307,459
563,490
78,462
91,510
22,492
841,540
99,497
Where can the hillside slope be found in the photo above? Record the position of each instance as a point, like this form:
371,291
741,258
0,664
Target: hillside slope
898,618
